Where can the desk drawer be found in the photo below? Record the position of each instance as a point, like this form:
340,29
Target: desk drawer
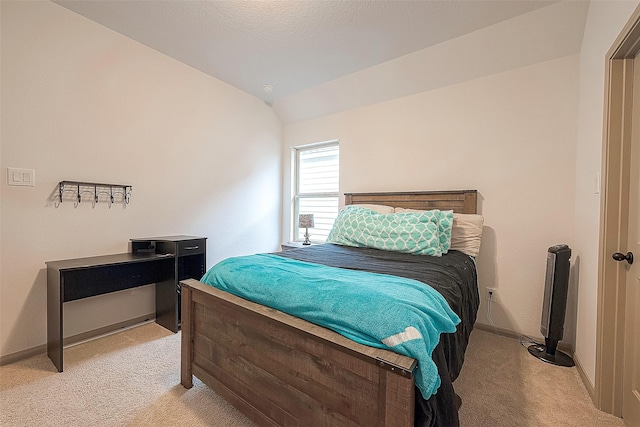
191,247
88,282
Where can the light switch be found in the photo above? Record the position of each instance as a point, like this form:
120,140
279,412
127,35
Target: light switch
21,177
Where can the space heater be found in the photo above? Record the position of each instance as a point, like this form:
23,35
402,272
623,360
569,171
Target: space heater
554,307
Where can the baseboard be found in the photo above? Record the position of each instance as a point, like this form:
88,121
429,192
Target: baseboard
585,379
108,330
77,339
22,354
564,347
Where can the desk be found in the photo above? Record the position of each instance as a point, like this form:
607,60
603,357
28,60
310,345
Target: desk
162,260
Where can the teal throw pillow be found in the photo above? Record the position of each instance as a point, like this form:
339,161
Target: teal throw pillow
445,223
411,232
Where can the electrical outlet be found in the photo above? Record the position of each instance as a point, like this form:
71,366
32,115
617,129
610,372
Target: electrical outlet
491,295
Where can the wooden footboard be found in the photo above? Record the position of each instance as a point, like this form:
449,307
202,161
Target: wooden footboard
280,370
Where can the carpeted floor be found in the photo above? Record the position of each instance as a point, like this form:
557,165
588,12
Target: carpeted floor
132,378
501,384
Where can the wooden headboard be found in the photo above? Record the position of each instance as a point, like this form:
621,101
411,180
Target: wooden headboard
461,201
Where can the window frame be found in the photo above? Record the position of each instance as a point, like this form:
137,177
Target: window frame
295,185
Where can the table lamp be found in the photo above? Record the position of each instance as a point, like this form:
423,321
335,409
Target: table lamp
305,221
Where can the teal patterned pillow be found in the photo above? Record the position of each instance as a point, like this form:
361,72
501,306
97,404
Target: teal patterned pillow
445,223
411,232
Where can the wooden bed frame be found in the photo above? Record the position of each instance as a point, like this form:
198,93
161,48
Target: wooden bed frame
280,370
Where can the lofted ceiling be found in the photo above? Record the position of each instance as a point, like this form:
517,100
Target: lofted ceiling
299,48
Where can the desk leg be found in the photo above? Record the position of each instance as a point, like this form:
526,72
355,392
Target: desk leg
54,317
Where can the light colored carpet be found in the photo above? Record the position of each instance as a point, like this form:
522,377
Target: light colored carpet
501,384
132,378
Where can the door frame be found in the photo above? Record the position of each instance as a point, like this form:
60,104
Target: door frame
614,205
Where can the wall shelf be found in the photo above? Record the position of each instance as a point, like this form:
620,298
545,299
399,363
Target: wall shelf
95,190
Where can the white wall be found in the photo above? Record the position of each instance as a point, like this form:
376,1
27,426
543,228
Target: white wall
511,136
81,102
605,21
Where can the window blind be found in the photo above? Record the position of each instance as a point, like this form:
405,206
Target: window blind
317,186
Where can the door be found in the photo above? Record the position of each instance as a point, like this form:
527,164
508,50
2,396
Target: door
631,367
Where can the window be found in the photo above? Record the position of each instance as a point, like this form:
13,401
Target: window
316,188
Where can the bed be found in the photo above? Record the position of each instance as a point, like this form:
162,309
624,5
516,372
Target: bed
280,370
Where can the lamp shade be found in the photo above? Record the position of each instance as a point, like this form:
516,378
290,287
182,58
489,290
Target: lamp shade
305,221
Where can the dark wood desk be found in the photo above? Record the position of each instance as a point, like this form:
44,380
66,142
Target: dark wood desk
162,260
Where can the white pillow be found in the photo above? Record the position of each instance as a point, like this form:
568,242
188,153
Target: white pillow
466,232
381,209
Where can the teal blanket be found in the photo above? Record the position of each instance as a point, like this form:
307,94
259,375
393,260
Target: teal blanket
403,315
